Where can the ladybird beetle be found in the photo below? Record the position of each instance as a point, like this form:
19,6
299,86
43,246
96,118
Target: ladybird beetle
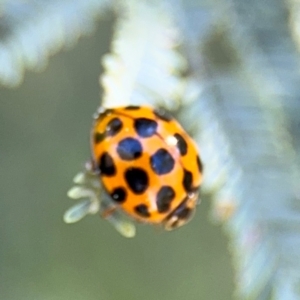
147,164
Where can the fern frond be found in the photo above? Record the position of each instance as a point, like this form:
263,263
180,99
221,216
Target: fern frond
241,98
248,141
31,31
242,120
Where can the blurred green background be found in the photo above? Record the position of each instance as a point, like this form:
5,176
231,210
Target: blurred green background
44,134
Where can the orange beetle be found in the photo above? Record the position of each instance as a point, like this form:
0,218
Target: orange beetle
147,163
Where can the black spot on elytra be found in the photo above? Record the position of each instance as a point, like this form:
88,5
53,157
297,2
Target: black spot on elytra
187,180
142,210
129,149
181,144
98,137
199,164
145,127
162,114
119,195
137,180
164,198
132,107
113,127
162,162
106,165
